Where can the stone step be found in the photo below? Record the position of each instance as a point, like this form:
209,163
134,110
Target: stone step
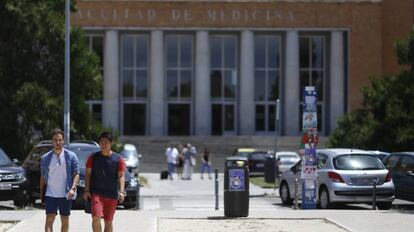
153,148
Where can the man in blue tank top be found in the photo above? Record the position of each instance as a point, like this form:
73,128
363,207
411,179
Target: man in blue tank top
104,183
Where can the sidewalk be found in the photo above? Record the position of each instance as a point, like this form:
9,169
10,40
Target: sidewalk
212,221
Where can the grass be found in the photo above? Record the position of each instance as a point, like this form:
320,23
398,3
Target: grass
259,181
143,181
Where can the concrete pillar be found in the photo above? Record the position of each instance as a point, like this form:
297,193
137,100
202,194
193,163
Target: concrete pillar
157,89
247,107
111,80
337,83
292,94
202,85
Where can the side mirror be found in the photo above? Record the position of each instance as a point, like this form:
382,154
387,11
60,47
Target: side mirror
15,161
139,156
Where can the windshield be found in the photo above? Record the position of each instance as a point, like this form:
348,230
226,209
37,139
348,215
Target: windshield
83,153
128,154
4,159
357,162
258,155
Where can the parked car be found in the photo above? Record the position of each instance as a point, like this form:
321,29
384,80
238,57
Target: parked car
381,154
131,157
343,176
401,167
82,151
13,183
286,159
257,160
243,152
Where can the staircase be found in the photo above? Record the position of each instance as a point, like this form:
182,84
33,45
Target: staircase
153,148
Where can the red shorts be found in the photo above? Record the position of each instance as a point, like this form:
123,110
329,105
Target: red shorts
103,207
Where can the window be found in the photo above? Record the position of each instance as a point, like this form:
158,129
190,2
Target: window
179,81
223,80
179,71
407,163
392,161
267,80
312,70
95,43
134,83
321,160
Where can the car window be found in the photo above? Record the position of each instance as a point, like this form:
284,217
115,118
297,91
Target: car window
4,159
321,160
83,153
407,163
258,155
392,161
357,162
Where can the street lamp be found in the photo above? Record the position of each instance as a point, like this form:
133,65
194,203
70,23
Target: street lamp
66,117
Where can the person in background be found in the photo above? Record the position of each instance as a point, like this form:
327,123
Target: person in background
180,160
105,172
59,177
206,163
172,153
189,153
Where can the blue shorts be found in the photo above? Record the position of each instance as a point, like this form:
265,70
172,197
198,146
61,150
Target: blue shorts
53,204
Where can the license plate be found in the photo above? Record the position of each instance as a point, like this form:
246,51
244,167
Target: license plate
5,186
260,165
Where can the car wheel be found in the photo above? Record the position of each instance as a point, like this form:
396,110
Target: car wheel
324,200
22,199
384,205
284,194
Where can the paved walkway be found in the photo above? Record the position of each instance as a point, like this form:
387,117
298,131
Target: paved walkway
194,220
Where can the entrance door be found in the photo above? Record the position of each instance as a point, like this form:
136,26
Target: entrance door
223,121
178,119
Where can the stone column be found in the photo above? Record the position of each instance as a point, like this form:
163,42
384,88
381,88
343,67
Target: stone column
337,82
247,107
111,81
202,85
157,90
292,94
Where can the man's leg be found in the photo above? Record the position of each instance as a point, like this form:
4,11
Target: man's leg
65,223
108,226
96,224
50,218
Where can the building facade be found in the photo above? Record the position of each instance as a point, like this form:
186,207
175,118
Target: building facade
217,67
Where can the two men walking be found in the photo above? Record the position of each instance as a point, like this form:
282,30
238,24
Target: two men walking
104,182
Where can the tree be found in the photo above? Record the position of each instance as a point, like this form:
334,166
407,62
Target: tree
386,121
32,75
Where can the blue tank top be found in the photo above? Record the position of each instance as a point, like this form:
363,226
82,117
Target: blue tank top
104,176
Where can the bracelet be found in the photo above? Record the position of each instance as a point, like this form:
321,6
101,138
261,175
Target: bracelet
123,193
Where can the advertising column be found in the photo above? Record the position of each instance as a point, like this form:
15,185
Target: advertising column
309,142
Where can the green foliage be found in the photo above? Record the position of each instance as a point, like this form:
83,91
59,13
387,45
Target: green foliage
32,75
387,120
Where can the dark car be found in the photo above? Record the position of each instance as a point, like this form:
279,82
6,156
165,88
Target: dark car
257,160
401,167
82,151
13,183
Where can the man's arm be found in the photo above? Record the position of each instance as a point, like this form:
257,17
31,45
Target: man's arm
121,179
86,193
42,188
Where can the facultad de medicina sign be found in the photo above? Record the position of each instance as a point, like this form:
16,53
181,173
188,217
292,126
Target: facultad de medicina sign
123,16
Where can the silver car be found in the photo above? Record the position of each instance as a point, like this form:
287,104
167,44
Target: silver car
132,157
343,176
286,159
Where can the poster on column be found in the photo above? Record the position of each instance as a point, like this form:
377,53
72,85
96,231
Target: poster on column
309,127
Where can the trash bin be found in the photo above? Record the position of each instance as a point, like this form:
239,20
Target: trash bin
270,169
236,187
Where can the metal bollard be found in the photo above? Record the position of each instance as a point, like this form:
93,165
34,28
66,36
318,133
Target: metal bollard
374,195
216,188
296,193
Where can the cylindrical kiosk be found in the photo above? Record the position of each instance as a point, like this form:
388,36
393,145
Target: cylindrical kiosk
236,187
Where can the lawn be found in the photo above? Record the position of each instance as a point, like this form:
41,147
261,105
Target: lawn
259,181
